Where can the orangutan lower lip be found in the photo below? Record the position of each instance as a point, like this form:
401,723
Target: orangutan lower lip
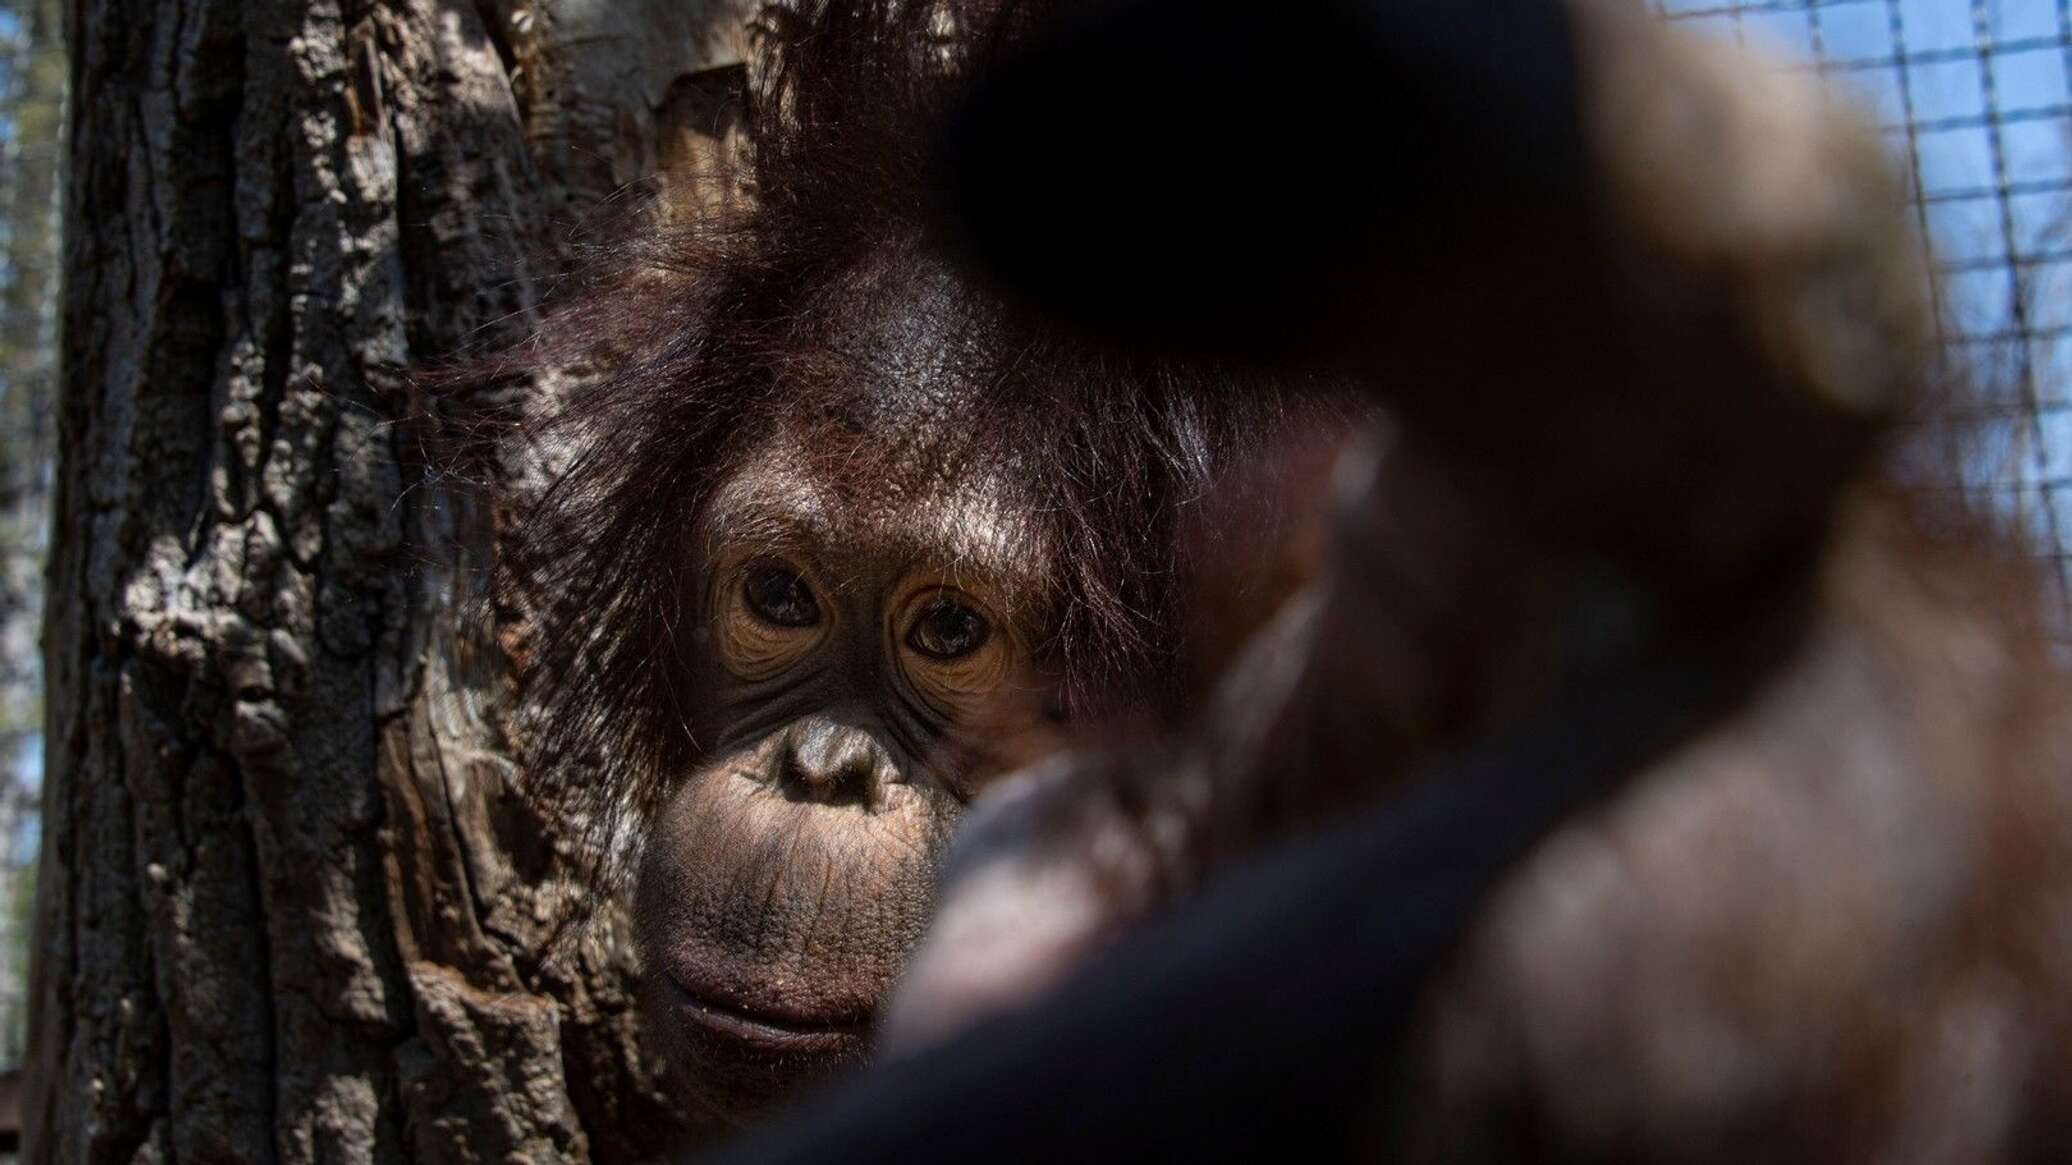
782,1033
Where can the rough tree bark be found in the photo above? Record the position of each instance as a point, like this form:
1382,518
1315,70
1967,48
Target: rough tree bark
289,909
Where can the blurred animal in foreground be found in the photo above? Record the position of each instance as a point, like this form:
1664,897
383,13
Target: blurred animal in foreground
1647,342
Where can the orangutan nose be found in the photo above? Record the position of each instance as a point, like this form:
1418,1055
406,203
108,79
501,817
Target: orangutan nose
834,764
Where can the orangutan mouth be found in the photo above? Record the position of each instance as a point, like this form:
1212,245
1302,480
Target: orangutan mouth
774,1031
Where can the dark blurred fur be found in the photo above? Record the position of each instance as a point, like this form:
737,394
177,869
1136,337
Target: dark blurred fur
1655,423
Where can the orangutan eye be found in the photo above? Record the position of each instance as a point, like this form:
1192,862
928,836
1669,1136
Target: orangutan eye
779,597
947,629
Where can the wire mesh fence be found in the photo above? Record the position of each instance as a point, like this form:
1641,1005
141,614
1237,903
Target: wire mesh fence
1976,97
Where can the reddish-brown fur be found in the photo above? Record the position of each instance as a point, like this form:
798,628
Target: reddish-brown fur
684,345
816,338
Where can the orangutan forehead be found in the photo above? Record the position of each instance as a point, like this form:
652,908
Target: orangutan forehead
878,509
906,329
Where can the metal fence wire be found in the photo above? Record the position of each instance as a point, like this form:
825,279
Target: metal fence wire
1976,97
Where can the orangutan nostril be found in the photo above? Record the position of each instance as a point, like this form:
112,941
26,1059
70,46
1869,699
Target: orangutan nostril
832,763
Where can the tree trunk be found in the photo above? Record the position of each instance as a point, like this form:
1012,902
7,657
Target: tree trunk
289,909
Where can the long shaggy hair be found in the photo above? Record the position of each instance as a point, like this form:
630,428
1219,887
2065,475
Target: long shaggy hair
685,345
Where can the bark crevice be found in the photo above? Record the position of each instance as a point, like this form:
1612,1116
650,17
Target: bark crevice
291,908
